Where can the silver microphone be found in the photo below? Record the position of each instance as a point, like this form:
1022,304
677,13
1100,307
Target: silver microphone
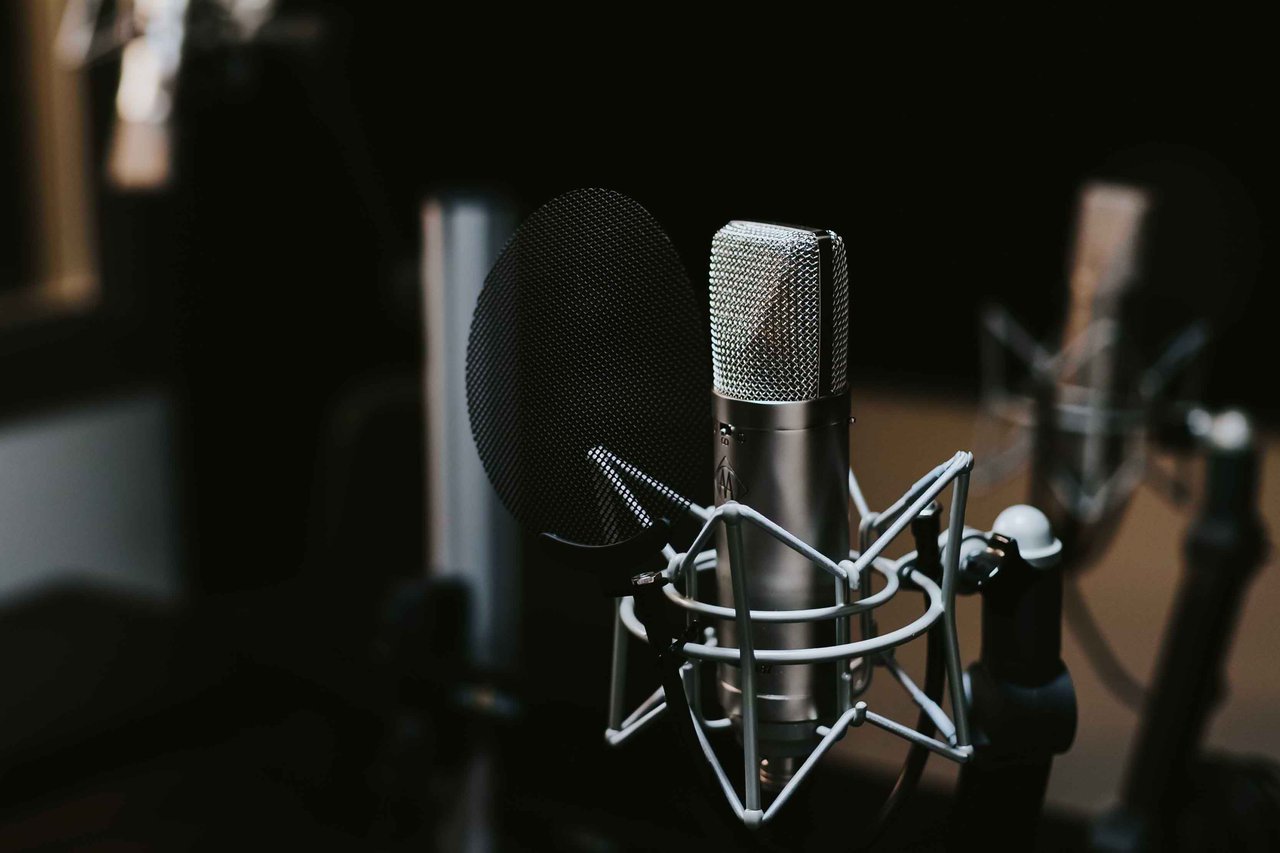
779,343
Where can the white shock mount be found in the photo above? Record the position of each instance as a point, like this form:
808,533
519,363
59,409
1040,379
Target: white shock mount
852,596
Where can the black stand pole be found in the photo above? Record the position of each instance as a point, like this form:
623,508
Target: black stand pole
1021,699
1225,548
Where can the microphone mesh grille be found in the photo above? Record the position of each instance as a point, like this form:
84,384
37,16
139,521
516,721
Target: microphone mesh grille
766,317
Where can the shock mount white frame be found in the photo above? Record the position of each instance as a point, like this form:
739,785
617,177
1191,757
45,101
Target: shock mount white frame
852,596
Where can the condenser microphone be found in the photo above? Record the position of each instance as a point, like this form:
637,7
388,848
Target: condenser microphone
1096,414
779,342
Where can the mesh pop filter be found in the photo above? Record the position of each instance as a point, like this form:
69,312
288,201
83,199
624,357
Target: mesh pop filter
588,372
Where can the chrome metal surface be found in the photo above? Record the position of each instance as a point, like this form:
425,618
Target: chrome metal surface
796,478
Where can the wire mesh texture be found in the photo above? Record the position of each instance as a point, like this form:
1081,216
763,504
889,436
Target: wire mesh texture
588,355
769,308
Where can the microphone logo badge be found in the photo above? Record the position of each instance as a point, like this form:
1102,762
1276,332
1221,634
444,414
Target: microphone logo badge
728,486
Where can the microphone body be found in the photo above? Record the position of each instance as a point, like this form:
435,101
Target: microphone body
785,461
779,303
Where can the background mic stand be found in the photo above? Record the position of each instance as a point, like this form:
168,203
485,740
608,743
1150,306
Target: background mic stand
1225,547
1021,699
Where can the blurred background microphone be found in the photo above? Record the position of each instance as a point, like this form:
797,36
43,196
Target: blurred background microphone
779,342
1084,461
1157,267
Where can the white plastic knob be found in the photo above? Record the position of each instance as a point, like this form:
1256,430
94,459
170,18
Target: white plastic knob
1030,528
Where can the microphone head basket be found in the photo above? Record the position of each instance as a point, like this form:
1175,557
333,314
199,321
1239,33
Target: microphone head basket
851,596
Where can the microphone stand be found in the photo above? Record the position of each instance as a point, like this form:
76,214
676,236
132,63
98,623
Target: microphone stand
1021,698
1225,547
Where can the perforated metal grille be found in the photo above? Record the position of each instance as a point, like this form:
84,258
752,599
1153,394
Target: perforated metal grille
840,316
587,372
766,312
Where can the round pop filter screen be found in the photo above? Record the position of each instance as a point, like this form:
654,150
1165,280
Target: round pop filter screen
588,371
